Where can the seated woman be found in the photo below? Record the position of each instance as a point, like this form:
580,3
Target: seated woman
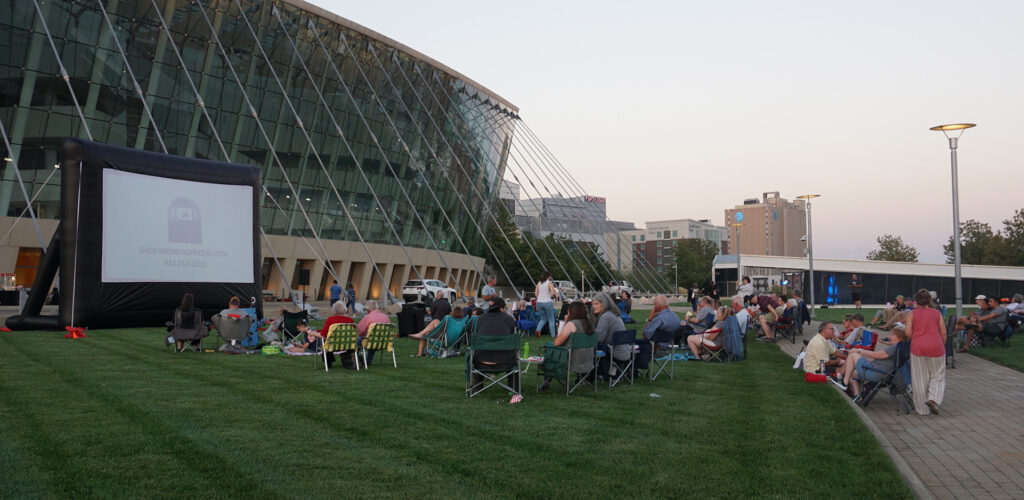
711,337
854,371
577,319
188,323
609,321
311,339
452,325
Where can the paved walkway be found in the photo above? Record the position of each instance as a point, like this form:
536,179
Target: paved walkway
975,448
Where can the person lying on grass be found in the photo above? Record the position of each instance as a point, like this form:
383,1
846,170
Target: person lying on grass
855,371
452,324
312,339
712,336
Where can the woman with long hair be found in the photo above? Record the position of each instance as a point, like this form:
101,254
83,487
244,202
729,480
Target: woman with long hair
546,294
927,334
577,321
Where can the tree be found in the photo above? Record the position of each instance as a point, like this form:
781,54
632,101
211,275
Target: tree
1013,239
978,245
694,258
892,248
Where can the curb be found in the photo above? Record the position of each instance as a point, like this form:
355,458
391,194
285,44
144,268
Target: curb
910,476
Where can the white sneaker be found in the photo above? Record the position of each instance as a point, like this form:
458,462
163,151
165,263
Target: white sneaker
839,382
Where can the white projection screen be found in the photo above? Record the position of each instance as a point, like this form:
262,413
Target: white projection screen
159,229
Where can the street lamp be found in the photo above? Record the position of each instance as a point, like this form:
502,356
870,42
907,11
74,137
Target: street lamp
675,267
810,246
739,270
953,132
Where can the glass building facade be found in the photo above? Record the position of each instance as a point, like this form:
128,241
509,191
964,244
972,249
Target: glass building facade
379,116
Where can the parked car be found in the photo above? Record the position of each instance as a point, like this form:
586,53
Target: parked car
618,287
426,291
566,289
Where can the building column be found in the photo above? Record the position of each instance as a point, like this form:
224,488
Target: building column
364,281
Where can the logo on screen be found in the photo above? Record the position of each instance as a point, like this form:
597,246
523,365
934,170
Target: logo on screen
184,223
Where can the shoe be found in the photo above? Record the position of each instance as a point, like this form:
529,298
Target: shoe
537,334
932,406
839,383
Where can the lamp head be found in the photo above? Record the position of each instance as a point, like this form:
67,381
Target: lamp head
808,196
953,130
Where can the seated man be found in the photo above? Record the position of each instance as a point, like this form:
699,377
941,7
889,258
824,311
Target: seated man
820,353
661,318
856,332
495,322
696,324
766,314
711,337
991,321
439,308
309,339
1016,308
741,313
855,372
373,315
888,315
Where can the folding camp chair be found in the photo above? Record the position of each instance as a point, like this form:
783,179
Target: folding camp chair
232,328
289,332
188,328
380,337
558,362
657,364
624,369
440,343
526,321
868,341
482,375
896,380
785,327
713,352
340,338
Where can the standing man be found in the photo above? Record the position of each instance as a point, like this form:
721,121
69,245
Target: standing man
855,286
350,299
488,291
335,292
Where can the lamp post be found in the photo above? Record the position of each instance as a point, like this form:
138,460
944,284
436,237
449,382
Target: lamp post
810,246
739,269
953,132
675,267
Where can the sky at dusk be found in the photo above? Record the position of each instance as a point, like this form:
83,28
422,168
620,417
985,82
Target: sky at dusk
683,109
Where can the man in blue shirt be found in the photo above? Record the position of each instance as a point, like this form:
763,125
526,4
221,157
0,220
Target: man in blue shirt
335,292
661,318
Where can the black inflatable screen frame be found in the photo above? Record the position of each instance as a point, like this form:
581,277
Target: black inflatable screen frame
85,300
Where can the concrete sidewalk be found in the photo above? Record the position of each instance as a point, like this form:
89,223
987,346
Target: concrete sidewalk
975,447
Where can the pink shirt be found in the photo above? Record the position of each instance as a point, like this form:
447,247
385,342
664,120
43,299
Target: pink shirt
374,316
926,340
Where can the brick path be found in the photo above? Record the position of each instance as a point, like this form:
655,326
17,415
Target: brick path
975,448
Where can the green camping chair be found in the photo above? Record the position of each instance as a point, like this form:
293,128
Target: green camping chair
447,339
340,338
482,375
558,362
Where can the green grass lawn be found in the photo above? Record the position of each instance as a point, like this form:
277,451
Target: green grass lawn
117,414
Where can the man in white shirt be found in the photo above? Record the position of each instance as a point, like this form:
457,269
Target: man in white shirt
741,313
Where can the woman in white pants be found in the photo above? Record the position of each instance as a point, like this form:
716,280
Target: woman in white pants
927,333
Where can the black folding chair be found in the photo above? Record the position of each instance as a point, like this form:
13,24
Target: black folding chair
897,381
289,332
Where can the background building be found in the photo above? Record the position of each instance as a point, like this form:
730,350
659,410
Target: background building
656,243
128,86
579,218
772,226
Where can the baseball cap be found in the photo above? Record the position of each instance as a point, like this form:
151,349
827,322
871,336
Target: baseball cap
981,297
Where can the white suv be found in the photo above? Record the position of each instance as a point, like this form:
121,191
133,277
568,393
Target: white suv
566,289
426,290
618,287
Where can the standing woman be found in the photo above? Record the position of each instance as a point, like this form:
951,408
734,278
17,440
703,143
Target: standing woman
546,293
927,334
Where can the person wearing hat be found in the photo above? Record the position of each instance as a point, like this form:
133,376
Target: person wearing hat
927,333
855,370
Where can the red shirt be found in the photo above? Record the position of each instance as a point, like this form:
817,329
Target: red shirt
334,320
926,339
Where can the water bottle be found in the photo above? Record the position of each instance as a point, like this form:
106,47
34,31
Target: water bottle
821,366
526,350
